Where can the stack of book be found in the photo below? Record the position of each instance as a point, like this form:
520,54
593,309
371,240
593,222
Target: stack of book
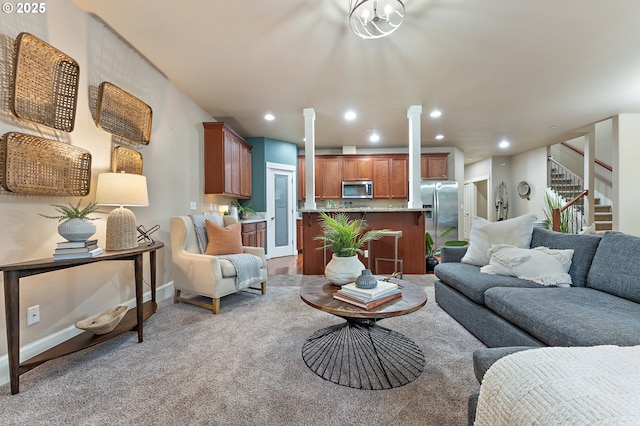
368,298
76,250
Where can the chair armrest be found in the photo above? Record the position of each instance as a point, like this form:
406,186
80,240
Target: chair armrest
201,267
256,251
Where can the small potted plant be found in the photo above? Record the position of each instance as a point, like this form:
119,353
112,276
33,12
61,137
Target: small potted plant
345,238
76,224
244,210
432,251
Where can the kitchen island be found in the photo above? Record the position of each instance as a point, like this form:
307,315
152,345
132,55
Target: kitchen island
410,247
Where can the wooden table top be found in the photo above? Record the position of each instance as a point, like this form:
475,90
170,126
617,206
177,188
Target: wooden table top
319,294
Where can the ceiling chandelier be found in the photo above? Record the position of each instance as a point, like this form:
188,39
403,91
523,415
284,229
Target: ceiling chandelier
375,18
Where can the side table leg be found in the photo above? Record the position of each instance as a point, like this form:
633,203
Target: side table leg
139,301
152,273
12,314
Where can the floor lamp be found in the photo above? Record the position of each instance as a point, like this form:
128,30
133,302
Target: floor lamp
121,189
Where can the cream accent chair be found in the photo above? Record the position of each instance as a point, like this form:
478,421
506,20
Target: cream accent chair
201,274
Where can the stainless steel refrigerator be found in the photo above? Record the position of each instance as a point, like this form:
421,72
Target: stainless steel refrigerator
440,198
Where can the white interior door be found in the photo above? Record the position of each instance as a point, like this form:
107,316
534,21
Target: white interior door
281,206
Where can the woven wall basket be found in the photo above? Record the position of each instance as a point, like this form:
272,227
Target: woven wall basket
122,114
45,81
126,160
33,165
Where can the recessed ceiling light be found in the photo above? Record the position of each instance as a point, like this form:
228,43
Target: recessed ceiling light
374,137
440,137
504,144
350,115
435,113
269,117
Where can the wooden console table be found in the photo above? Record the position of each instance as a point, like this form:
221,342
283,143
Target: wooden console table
132,320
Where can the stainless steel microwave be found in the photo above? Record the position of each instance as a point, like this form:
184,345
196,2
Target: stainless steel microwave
362,189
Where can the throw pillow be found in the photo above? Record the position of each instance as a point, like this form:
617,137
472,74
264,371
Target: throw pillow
201,229
541,265
223,240
484,234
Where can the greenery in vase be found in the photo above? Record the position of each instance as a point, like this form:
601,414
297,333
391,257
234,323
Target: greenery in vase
243,210
343,236
74,212
431,250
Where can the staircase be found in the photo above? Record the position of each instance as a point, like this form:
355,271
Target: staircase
602,216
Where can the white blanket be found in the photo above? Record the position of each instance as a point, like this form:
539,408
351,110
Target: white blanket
563,386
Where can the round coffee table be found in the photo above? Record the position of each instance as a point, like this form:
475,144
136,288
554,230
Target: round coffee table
359,353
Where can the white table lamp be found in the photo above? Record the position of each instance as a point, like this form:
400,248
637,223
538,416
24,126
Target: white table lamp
121,189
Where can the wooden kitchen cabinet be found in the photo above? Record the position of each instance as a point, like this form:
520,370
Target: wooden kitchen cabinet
328,177
227,161
434,166
390,178
357,169
254,234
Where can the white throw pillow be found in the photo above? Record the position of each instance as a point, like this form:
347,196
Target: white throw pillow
541,265
484,234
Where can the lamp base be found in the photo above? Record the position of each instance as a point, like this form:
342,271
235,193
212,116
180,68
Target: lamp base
121,230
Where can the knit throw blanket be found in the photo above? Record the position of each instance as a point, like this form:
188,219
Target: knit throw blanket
562,386
247,268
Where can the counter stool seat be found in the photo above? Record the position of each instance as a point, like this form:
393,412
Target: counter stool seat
396,262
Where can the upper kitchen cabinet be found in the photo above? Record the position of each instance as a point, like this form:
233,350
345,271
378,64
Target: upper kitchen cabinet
227,161
434,166
328,180
390,177
357,169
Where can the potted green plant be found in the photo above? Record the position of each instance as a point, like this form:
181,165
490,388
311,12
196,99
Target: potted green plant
244,210
431,251
345,238
76,224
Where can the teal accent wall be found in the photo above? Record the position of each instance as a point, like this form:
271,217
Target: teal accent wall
267,150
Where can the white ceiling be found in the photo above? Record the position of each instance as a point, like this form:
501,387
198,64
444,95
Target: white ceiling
533,72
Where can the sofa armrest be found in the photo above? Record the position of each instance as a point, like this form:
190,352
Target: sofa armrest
452,254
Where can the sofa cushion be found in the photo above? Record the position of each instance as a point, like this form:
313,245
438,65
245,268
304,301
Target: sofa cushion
201,229
615,267
468,280
573,316
484,234
584,248
541,265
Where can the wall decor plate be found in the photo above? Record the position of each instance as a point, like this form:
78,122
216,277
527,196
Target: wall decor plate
122,114
37,166
126,160
44,87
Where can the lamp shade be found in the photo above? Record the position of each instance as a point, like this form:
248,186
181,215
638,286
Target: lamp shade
122,189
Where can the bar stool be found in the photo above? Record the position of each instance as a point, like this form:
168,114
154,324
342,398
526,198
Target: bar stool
396,236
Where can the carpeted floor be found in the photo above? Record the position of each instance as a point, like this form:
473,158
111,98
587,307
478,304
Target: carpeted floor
243,367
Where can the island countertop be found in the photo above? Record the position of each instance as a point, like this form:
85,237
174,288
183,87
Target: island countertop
411,247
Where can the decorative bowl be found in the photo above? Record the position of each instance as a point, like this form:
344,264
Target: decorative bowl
105,321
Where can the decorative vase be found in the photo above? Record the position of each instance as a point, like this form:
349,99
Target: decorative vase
431,263
366,280
343,270
76,229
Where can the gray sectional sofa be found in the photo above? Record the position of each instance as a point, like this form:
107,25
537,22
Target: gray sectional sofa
601,307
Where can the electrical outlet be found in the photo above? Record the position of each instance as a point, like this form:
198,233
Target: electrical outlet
33,315
193,205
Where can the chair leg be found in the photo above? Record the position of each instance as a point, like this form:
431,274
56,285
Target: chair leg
264,287
176,296
215,305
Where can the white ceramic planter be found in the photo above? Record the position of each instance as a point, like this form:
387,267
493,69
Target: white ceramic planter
76,229
343,270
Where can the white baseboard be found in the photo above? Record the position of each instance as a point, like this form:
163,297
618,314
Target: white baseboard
163,292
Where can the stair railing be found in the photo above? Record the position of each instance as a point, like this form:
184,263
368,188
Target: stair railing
569,186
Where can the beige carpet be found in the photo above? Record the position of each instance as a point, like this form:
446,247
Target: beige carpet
243,367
